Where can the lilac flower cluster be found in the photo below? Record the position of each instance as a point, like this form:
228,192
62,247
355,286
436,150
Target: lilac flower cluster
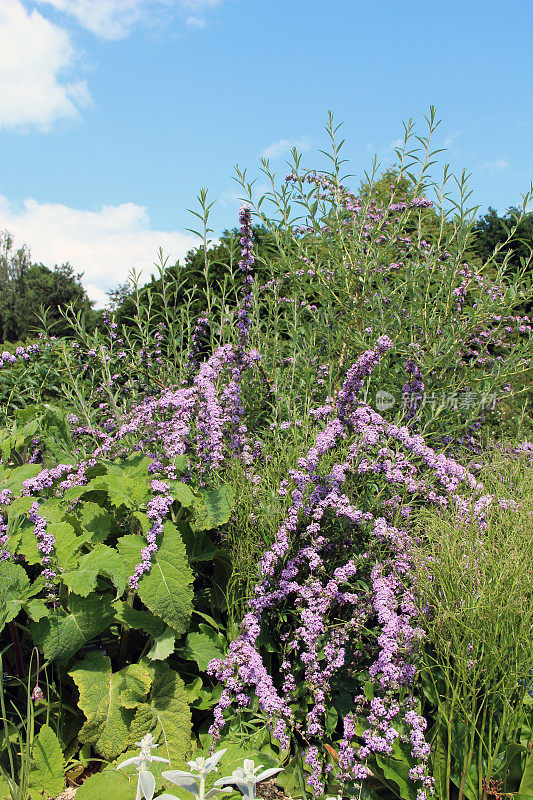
245,263
5,500
298,583
45,543
414,388
158,508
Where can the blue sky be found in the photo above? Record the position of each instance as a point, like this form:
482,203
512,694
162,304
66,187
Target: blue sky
114,113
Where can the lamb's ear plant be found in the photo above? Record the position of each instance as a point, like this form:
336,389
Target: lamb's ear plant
194,781
145,781
245,778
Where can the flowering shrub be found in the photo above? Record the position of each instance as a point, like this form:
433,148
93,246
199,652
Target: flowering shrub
219,525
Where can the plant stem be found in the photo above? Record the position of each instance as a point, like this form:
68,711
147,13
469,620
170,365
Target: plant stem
16,649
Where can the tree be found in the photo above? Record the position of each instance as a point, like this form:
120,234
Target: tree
491,230
27,289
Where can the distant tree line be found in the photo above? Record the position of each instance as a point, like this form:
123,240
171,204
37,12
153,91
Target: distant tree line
28,289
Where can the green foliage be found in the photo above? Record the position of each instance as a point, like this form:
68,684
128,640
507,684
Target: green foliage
477,660
27,288
122,663
47,774
108,700
166,590
165,713
106,784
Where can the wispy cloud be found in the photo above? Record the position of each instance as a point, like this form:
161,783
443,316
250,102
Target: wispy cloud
451,137
108,19
395,144
501,163
104,244
115,19
196,11
35,57
284,146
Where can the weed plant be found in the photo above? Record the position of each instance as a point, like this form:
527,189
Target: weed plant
475,588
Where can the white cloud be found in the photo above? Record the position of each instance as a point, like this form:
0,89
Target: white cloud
396,143
114,19
105,245
35,57
450,139
196,11
284,146
109,19
501,163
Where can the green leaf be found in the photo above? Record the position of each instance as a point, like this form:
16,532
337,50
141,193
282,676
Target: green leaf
182,493
36,609
140,620
213,509
14,478
526,784
96,521
198,545
202,649
438,761
166,714
107,784
396,771
61,635
102,560
108,721
67,544
167,589
14,589
47,774
164,645
19,507
130,492
134,466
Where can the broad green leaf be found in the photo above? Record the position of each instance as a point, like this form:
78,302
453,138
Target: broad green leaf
163,646
166,714
140,620
108,721
526,784
96,521
14,589
130,547
182,493
36,609
134,466
55,422
102,560
213,509
19,507
14,478
396,771
61,635
52,511
67,544
167,589
47,774
198,545
131,492
202,649
438,761
180,463
112,784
